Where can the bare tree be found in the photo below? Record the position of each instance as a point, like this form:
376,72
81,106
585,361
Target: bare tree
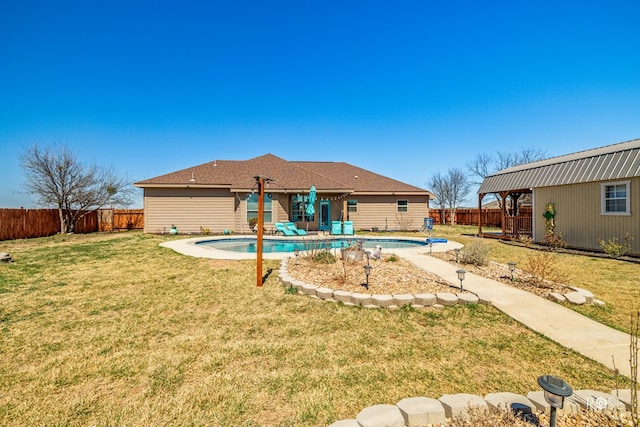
450,190
484,164
58,178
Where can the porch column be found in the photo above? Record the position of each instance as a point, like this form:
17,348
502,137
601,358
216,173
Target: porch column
480,197
503,195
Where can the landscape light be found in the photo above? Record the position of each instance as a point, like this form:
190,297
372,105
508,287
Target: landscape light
367,271
457,251
461,274
296,251
555,390
512,268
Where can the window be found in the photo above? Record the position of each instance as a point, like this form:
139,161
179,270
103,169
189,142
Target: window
298,208
352,206
615,198
252,207
403,206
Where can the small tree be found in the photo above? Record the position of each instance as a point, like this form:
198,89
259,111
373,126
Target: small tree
450,190
56,177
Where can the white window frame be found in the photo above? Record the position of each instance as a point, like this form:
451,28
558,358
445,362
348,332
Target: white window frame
405,207
603,197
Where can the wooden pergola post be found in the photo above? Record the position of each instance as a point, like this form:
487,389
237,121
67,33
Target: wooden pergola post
260,181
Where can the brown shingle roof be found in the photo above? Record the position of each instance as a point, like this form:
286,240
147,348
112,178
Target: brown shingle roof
291,176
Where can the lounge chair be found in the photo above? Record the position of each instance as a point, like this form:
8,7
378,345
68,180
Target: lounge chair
348,227
336,227
291,226
281,228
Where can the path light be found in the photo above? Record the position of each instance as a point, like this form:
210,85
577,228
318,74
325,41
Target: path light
457,251
296,251
461,274
512,268
430,246
555,390
367,271
366,254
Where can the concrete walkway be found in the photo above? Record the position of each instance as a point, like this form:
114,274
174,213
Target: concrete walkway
566,327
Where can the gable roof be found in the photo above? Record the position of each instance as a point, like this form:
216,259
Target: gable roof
617,161
291,176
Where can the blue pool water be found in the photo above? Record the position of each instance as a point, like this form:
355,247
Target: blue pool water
248,245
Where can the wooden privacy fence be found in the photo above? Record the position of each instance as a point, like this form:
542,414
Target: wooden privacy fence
468,216
120,219
29,223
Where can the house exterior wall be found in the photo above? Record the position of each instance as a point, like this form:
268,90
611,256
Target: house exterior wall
578,215
382,212
219,209
188,209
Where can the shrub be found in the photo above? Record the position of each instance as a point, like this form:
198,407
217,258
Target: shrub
476,253
555,240
392,258
615,249
525,239
324,257
543,269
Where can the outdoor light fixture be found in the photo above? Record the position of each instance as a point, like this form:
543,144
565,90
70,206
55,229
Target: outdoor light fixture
457,251
366,254
430,246
512,268
555,390
461,274
367,271
296,251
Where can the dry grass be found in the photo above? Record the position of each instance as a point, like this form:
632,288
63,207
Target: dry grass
613,281
111,329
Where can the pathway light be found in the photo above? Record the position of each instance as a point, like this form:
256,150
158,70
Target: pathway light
512,268
461,274
367,271
457,251
296,251
555,390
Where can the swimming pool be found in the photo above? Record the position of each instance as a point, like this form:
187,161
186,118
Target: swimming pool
248,245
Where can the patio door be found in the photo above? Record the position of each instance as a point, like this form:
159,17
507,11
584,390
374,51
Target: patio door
324,222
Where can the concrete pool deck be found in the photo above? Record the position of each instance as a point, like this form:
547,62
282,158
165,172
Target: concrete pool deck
560,324
191,248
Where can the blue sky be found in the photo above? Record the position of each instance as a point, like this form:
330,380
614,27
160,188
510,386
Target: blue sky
403,88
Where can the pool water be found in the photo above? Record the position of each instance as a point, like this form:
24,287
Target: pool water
248,245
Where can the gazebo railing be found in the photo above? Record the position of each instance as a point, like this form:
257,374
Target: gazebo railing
515,226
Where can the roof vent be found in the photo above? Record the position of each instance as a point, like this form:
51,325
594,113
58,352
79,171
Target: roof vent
193,177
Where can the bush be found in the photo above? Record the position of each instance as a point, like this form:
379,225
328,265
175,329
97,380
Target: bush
476,253
324,257
543,269
555,240
615,249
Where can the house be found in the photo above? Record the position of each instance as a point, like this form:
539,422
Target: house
221,195
585,197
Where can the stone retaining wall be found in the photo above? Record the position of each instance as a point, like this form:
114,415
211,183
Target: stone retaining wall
425,411
391,302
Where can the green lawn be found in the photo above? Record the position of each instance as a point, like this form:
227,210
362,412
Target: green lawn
111,329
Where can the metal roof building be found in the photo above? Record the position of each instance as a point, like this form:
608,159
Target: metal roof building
617,161
592,195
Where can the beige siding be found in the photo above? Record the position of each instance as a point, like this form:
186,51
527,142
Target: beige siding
188,209
382,212
578,217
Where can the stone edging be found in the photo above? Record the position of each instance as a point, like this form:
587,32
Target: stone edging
423,411
391,302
